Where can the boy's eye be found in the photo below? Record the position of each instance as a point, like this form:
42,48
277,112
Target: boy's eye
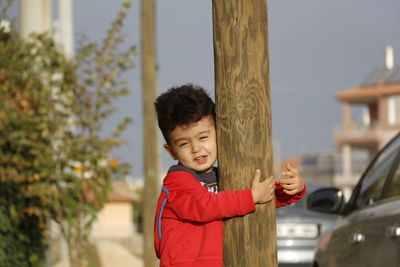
204,137
182,144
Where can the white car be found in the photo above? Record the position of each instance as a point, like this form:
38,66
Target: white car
298,230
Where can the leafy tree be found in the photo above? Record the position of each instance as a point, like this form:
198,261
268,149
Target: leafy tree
55,161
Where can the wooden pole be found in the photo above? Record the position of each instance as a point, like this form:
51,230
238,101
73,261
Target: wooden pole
150,134
244,124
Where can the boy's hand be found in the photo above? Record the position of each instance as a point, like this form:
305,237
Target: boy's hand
292,182
264,191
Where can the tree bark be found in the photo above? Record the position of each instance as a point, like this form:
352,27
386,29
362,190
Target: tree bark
244,133
150,134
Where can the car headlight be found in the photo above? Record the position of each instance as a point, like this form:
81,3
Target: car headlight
300,230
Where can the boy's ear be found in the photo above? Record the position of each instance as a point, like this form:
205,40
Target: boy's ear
170,151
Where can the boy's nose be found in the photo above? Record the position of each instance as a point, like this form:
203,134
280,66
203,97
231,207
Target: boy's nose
195,148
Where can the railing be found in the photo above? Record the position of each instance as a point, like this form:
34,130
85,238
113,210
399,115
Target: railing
357,129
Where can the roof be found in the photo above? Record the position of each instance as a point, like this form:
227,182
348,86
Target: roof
382,75
368,94
116,195
381,82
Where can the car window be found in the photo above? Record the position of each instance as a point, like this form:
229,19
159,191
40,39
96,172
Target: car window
394,187
374,180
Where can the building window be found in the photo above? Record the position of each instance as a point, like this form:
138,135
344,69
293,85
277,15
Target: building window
394,110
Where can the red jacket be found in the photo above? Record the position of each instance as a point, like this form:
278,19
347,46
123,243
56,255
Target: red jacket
188,225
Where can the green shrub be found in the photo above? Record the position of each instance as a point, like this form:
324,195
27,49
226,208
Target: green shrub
54,158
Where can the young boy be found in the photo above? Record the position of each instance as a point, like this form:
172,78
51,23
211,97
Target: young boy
188,224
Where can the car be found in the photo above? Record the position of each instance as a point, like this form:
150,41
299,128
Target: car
298,230
367,233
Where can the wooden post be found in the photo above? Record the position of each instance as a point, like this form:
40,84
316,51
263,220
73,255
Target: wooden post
244,124
150,134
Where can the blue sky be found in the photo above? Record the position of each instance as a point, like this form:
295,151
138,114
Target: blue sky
317,48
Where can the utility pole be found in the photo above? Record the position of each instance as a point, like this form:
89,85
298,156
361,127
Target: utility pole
150,134
244,130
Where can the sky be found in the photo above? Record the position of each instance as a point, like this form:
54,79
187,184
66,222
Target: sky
317,49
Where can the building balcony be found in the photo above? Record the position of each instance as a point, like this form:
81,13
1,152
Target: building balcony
356,134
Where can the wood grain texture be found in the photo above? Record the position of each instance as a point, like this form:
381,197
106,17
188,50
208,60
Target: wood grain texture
244,133
150,135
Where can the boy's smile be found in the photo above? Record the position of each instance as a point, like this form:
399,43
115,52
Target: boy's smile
194,144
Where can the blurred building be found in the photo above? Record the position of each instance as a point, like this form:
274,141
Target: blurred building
371,117
115,220
324,167
295,162
378,98
319,167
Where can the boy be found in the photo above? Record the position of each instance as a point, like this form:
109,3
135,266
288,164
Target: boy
188,224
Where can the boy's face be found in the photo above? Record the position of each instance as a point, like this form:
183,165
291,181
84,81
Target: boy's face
194,144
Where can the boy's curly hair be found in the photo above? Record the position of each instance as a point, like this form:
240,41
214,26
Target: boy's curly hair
182,105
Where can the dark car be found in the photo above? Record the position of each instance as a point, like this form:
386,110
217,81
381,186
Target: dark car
368,232
298,230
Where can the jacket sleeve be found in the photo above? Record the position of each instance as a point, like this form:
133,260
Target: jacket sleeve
191,201
283,199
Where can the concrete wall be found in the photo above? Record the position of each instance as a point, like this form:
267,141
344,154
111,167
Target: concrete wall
115,221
